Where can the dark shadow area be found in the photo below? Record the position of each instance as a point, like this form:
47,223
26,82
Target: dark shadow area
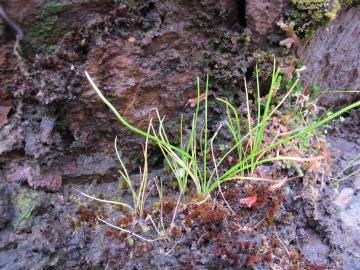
241,12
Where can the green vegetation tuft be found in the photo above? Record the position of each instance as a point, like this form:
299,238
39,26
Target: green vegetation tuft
350,3
309,15
194,159
25,204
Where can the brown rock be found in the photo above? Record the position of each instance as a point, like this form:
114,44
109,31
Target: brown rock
4,110
5,107
142,55
261,17
50,180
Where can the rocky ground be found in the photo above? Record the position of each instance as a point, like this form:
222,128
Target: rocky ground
56,136
298,227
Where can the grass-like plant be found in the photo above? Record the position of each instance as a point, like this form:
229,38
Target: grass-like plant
138,193
189,160
186,161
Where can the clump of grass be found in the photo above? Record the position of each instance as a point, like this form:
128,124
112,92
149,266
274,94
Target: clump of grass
189,160
139,193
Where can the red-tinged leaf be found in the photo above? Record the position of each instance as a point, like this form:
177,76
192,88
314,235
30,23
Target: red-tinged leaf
283,128
232,159
248,201
287,71
296,153
193,101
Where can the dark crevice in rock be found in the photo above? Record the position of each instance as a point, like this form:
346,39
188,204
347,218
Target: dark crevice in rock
241,12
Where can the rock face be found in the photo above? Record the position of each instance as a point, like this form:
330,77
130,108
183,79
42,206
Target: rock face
261,16
333,59
53,127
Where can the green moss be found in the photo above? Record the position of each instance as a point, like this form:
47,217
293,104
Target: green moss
246,38
350,3
331,14
8,88
25,205
44,31
314,8
309,15
265,62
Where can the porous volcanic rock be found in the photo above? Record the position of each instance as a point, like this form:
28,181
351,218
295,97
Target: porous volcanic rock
262,15
54,128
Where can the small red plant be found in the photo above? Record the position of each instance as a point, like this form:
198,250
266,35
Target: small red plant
248,201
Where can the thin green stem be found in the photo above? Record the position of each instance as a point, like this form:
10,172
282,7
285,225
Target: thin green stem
127,124
205,132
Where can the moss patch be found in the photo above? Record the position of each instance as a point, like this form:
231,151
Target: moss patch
44,31
309,15
350,3
25,204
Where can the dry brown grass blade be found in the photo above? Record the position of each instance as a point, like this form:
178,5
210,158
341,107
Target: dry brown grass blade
104,201
129,232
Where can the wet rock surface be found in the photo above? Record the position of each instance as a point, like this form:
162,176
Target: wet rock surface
332,224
